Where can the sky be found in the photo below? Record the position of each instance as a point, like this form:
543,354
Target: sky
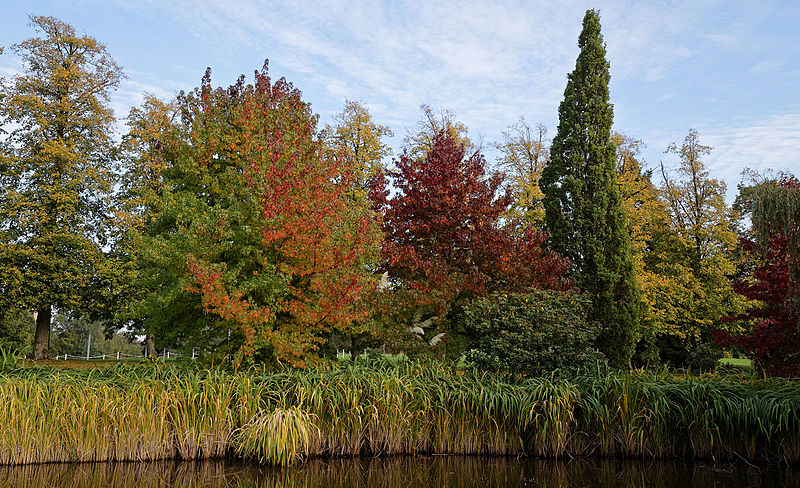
730,69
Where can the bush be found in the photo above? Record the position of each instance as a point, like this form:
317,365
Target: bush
532,334
16,330
697,354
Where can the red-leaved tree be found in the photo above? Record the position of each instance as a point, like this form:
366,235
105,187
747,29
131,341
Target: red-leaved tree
444,234
775,339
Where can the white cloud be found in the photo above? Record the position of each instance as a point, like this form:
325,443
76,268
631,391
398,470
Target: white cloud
771,143
435,52
722,39
487,61
765,66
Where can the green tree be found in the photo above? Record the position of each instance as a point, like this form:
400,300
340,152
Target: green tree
55,165
147,147
252,243
16,330
71,336
583,205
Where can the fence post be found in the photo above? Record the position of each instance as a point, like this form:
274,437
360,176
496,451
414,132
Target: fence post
192,353
167,354
88,345
117,355
104,357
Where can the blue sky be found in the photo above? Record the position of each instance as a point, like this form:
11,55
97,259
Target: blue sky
729,69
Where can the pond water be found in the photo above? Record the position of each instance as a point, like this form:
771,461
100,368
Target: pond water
405,472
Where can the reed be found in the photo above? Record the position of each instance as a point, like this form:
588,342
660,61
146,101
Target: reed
152,413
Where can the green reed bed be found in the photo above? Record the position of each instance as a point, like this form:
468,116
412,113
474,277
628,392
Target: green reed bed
146,413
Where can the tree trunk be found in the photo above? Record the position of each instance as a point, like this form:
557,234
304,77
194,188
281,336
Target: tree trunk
41,338
150,347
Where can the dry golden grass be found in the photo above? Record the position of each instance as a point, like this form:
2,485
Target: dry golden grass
163,413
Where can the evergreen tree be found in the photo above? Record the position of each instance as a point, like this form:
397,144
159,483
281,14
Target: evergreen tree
583,206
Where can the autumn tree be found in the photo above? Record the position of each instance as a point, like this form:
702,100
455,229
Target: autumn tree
418,143
697,202
357,138
56,169
524,154
444,235
645,218
776,209
670,291
253,229
583,205
148,147
699,252
772,333
644,210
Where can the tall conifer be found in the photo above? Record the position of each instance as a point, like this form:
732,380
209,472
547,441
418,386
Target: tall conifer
583,209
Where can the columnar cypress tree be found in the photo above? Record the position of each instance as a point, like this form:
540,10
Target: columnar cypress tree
583,209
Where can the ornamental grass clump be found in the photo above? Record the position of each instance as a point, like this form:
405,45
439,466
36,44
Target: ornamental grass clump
280,437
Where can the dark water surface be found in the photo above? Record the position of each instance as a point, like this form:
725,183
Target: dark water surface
404,472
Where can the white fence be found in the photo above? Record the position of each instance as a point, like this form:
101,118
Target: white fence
118,356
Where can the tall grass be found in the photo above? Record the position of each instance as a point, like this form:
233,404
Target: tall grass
130,413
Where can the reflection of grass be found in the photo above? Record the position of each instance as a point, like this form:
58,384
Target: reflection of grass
401,472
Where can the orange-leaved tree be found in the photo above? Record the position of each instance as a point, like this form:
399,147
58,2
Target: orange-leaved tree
254,220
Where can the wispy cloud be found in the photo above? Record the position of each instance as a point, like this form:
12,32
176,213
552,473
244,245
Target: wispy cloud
771,143
765,66
722,39
489,62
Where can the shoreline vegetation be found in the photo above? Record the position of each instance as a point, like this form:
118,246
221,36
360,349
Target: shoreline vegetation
374,408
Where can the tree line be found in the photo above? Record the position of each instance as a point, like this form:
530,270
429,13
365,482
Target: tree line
230,220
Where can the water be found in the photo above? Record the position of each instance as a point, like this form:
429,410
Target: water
404,472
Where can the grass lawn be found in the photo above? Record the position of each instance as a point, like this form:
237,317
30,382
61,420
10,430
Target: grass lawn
738,362
92,364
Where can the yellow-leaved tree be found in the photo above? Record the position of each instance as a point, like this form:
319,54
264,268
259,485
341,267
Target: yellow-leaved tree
682,236
524,154
357,138
56,168
700,252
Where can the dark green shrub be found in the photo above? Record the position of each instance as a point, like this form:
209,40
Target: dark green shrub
692,353
532,334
